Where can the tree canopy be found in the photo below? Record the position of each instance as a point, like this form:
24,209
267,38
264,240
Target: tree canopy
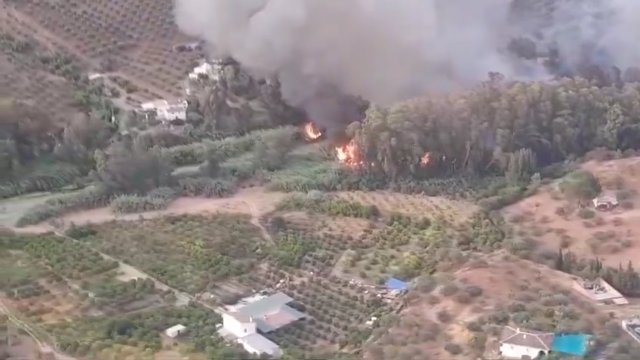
504,127
580,185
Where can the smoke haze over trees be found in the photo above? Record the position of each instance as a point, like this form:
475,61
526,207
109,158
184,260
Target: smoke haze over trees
390,51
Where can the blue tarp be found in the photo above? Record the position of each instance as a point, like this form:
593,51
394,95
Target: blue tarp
396,284
571,344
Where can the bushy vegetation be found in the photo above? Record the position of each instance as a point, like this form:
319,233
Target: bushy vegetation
42,178
206,187
65,257
116,293
189,253
156,199
85,199
321,203
141,331
198,153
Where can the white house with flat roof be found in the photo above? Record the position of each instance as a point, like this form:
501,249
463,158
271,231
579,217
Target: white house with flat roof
247,320
167,110
175,331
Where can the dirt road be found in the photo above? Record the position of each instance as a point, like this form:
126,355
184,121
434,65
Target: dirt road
42,345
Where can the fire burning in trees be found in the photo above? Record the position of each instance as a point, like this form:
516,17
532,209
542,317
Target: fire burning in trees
347,153
311,132
424,161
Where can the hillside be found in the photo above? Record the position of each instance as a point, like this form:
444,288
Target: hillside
132,42
420,230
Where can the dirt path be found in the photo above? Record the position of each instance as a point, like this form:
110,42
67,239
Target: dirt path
43,347
255,220
252,201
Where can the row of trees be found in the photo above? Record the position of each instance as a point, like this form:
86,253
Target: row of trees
510,128
624,279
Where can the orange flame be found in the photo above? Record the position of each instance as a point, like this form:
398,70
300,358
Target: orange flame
311,132
347,154
424,161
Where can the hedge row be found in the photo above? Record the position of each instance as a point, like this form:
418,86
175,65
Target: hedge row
157,199
42,178
88,198
197,153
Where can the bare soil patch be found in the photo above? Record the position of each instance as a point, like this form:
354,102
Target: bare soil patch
439,322
59,304
253,201
611,236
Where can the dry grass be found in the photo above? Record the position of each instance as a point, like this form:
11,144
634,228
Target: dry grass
60,304
611,236
421,332
413,205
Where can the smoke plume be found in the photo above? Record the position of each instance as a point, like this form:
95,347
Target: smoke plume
387,51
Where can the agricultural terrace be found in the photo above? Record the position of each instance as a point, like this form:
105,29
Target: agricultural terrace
134,39
137,336
367,243
28,73
460,315
187,252
52,279
551,219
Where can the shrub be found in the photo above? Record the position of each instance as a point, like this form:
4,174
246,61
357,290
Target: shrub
207,187
586,213
449,289
453,349
626,204
85,199
329,205
197,153
126,204
624,195
41,178
443,316
80,232
473,291
462,298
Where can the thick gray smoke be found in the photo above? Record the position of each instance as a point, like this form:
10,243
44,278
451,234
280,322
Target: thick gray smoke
387,51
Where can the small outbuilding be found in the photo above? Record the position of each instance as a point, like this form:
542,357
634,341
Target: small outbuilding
605,203
394,284
175,331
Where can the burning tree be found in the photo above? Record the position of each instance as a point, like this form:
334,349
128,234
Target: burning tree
311,132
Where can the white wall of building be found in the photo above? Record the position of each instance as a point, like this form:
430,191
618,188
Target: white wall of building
274,352
203,69
250,349
174,331
238,328
168,114
511,351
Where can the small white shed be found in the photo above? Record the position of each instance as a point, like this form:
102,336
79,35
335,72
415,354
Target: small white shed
175,331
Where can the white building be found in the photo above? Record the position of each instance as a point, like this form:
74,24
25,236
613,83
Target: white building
203,69
258,345
175,331
243,329
239,324
262,314
211,70
167,110
516,343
